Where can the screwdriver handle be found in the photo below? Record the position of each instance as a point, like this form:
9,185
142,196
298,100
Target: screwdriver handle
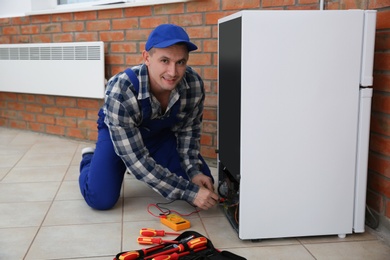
154,241
149,232
132,255
197,242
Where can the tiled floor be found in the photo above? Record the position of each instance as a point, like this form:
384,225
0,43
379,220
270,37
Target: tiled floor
43,216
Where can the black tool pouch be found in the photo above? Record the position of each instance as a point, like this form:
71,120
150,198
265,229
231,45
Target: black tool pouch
208,253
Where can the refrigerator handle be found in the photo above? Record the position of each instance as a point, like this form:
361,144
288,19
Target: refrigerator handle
367,63
362,159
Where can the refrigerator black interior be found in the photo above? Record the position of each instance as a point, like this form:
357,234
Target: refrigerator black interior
229,95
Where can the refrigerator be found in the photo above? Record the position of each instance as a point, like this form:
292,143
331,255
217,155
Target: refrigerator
294,102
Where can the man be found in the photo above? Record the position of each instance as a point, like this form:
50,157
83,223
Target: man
150,124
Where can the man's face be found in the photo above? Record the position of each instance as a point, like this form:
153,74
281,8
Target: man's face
166,67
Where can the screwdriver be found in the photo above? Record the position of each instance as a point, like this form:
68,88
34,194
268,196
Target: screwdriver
176,256
133,255
149,232
192,244
154,241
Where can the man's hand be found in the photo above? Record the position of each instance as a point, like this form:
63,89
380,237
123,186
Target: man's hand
206,197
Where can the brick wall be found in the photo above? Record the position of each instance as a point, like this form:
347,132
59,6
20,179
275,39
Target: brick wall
124,32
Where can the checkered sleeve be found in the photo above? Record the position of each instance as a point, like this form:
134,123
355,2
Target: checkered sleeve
123,116
189,131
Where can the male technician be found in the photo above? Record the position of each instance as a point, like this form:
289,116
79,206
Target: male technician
150,124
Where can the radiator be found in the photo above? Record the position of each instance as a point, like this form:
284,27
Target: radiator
73,69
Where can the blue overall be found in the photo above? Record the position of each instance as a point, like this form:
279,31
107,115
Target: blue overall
101,173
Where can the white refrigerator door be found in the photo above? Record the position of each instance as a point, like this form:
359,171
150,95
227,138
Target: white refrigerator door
300,95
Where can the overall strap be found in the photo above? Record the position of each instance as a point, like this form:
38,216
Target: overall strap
133,78
145,103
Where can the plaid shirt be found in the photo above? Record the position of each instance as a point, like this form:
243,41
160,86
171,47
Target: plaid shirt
123,117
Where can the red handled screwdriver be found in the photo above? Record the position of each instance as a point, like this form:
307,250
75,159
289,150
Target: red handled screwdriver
154,241
176,256
149,232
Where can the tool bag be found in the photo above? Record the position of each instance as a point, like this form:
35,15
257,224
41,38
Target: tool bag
191,246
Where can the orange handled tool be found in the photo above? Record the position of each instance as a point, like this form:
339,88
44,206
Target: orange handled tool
176,256
192,244
149,232
132,255
154,241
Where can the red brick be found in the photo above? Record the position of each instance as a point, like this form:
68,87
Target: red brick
112,36
115,59
57,111
206,139
187,19
75,112
124,47
125,24
8,96
76,133
379,164
271,3
374,4
64,17
15,106
210,73
66,121
88,103
63,37
169,9
30,29
239,4
381,103
86,37
89,124
110,13
45,119
382,82
65,101
203,6
387,212
17,124
374,201
28,117
211,101
26,97
99,25
55,129
73,27
199,32
51,28
382,19
5,21
20,39
11,30
5,39
379,184
209,127
153,22
40,19
138,11
382,41
41,38
37,127
198,59
82,16
380,144
45,100
380,124
208,152
21,20
34,108
209,114
382,61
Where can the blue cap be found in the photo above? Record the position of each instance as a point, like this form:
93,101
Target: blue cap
166,35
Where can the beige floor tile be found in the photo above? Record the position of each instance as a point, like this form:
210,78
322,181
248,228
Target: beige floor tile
36,174
78,212
325,239
60,242
14,242
10,160
356,250
54,146
22,214
224,236
27,192
3,172
135,209
69,190
135,188
287,252
34,159
73,173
